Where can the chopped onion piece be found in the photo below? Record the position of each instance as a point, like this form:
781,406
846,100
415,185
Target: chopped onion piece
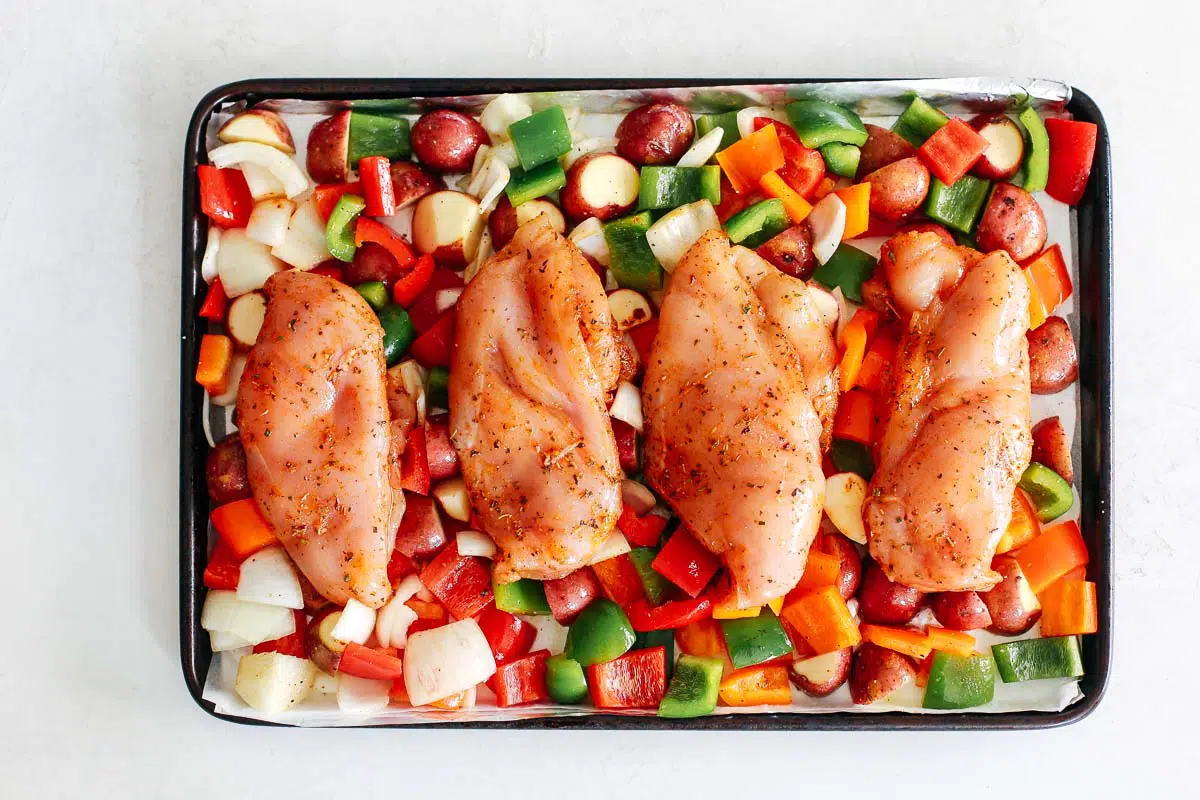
269,221
362,695
506,154
227,667
495,179
592,144
703,149
845,494
446,660
502,111
355,624
745,118
828,223
826,304
237,366
205,421
208,264
844,314
324,683
588,236
477,168
446,298
253,622
222,641
482,254
550,635
262,182
268,577
637,497
627,405
615,545
452,494
673,235
572,114
242,263
303,246
274,682
474,543
412,375
393,620
610,282
284,168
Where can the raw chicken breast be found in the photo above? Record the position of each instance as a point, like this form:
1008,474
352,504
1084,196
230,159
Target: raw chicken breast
732,438
313,415
536,359
956,437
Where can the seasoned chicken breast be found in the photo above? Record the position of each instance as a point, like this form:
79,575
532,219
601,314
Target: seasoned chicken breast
536,359
314,420
956,436
732,438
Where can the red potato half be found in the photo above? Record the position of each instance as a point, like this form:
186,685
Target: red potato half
882,147
960,611
323,649
225,471
410,183
447,225
329,148
1005,150
600,185
446,141
1053,360
850,563
656,134
883,602
1013,606
791,251
899,188
420,534
505,219
1052,447
259,125
245,318
1013,222
629,309
877,672
821,676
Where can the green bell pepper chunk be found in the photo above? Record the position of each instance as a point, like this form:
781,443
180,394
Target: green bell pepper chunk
377,135
848,268
694,689
1038,659
541,137
957,207
657,587
600,633
753,640
752,226
672,187
375,293
524,596
918,122
848,455
339,231
1037,151
526,185
398,333
818,123
630,259
841,159
664,639
437,387
726,122
960,681
565,680
1050,494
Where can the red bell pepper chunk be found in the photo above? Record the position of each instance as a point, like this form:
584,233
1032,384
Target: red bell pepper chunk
326,196
641,531
409,286
400,566
509,636
643,339
375,174
668,616
367,662
637,679
414,463
434,347
214,302
463,584
224,568
291,645
952,151
522,681
626,436
330,270
423,311
369,230
439,450
686,563
619,580
1072,148
804,168
224,196
569,595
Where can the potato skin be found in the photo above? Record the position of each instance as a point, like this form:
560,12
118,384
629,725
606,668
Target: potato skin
372,262
882,147
410,183
877,672
655,134
899,188
328,146
225,471
1052,447
960,611
877,295
572,200
1012,221
321,655
791,251
850,574
446,141
1053,362
1009,616
886,603
825,688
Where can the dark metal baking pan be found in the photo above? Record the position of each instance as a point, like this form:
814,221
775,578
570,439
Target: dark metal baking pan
1094,298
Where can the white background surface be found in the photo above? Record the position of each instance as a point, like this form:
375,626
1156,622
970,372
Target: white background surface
94,100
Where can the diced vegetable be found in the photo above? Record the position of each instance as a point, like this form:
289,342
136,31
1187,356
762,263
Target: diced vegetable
957,207
463,584
1069,607
355,624
1038,659
508,636
304,245
339,231
851,456
672,187
268,577
251,623
919,121
540,138
396,617
794,204
841,159
821,569
1022,525
857,199
258,125
565,682
223,568
437,387
763,685
753,640
668,616
501,112
823,620
874,373
368,230
629,308
643,531
273,682
268,221
285,170
845,494
522,681
726,122
674,234
1050,494
1049,283
819,123
212,365
243,264
375,174
655,586
686,563
903,640
1072,148
375,293
828,223
569,595
600,633
525,185
242,526
362,695
378,135
855,417
854,338
952,150
637,679
694,688
627,405
446,660
398,332
960,681
414,464
747,160
615,545
369,663
474,543
588,236
631,261
433,348
846,268
959,643
524,596
1037,151
753,226
703,149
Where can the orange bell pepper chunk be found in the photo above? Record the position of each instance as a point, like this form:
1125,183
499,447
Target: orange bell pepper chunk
212,367
823,620
762,685
463,699
1058,550
242,526
701,638
1023,525
797,207
855,338
1069,607
857,199
960,643
855,417
823,188
619,580
747,160
1049,284
821,570
876,367
902,640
